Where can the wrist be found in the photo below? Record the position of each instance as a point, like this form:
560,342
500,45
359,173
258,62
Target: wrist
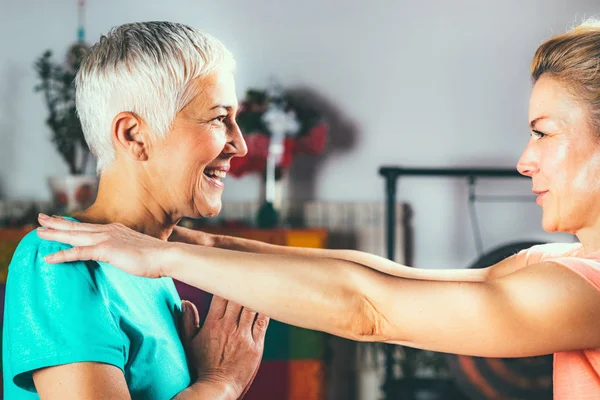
221,241
217,390
169,257
212,240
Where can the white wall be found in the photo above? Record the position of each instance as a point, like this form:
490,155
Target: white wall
414,83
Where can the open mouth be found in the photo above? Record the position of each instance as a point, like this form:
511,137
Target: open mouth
215,173
215,176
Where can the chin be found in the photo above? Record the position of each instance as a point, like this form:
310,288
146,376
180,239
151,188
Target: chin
549,224
209,210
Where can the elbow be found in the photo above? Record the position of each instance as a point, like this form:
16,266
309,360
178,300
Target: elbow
365,307
366,323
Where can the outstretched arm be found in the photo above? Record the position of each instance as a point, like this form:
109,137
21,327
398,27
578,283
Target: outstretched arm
372,261
514,315
517,314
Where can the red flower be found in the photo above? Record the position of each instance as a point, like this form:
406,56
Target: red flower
256,159
314,142
258,145
84,194
257,165
258,150
289,146
239,166
61,198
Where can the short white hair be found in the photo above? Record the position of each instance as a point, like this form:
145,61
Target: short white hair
145,68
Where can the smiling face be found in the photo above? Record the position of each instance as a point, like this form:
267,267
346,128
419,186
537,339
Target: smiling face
562,158
188,166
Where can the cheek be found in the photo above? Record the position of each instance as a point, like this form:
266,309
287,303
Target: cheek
552,163
198,153
587,174
208,147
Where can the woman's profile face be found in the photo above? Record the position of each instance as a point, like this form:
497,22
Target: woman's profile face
562,158
194,158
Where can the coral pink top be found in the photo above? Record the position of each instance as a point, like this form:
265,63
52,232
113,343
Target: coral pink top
576,373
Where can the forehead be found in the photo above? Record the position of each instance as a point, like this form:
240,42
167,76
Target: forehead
216,88
551,98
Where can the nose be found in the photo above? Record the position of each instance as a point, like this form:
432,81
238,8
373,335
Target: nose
236,145
528,164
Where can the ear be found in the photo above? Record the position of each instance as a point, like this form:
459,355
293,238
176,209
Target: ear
127,130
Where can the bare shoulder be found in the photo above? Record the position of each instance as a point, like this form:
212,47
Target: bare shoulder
533,255
549,295
538,309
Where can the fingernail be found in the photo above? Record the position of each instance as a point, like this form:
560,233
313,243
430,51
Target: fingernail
42,215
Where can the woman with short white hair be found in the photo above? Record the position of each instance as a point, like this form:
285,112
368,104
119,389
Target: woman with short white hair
157,103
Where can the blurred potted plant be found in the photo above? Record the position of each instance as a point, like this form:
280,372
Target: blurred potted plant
75,191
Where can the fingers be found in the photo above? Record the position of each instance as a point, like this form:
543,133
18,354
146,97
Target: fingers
233,312
64,224
259,329
218,305
83,253
190,325
191,321
182,235
74,238
247,318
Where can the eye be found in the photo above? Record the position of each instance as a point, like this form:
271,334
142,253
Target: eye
220,118
538,135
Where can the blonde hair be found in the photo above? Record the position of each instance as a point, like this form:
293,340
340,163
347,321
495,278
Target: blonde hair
146,68
574,59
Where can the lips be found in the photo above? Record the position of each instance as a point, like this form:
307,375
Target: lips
540,195
214,173
214,181
217,167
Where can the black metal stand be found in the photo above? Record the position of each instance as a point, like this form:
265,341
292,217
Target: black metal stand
391,175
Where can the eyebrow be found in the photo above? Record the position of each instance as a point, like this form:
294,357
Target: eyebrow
535,121
228,108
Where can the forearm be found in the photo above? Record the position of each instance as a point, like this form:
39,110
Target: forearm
365,259
206,391
320,294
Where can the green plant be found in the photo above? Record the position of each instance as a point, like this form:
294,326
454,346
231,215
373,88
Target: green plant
57,86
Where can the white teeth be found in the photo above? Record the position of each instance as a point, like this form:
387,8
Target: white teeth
217,173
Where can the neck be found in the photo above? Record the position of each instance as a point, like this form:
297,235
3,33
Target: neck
126,199
590,239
